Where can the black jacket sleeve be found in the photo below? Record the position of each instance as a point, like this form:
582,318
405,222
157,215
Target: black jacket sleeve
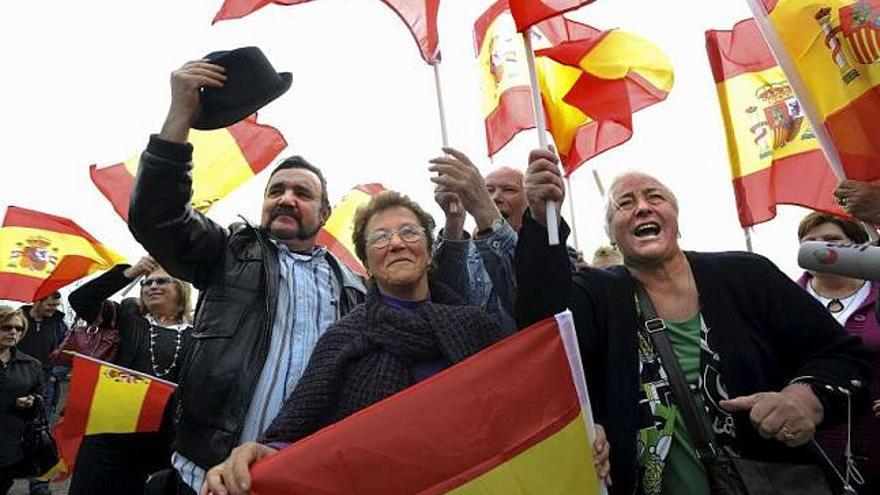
543,275
87,300
185,242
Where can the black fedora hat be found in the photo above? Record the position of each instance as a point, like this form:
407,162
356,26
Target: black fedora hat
251,83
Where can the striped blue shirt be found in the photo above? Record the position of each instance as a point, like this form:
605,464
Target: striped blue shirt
308,303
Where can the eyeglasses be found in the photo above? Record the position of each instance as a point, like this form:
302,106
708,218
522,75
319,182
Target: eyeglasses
9,328
381,238
159,281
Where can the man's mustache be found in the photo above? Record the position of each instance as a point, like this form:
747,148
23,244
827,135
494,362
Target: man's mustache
287,211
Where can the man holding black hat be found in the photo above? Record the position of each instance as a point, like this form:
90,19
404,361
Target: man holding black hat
267,293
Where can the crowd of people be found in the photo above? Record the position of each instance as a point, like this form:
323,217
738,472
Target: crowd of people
287,340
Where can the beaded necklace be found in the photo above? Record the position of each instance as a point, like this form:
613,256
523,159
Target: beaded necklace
178,344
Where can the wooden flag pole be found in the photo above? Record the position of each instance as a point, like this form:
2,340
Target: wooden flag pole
550,205
444,135
803,95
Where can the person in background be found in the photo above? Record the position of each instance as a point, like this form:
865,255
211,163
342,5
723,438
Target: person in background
756,351
411,327
21,383
606,256
852,302
156,336
47,331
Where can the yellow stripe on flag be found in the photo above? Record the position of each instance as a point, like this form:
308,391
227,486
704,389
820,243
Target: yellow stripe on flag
620,52
564,120
116,404
754,141
36,252
562,463
340,224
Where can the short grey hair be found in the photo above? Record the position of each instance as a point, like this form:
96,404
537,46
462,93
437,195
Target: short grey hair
611,204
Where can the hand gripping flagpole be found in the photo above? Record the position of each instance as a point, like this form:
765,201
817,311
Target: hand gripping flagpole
550,205
762,18
444,135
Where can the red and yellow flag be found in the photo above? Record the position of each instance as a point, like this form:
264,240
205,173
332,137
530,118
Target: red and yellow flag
40,253
833,48
774,156
420,17
508,420
527,13
105,398
336,233
223,159
591,81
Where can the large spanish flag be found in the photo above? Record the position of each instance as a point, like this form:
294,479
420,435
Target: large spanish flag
510,419
223,159
504,77
591,86
527,13
832,49
105,398
40,253
336,233
774,156
420,16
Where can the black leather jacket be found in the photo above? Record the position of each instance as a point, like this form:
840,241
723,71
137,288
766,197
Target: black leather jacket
237,276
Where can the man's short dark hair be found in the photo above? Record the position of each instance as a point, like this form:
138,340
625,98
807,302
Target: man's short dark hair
297,161
53,296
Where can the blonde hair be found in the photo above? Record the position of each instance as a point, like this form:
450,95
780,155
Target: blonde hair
8,312
184,302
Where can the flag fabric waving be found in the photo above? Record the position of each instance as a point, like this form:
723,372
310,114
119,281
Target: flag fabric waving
592,85
106,398
40,253
833,48
527,13
223,159
336,233
774,156
420,17
481,426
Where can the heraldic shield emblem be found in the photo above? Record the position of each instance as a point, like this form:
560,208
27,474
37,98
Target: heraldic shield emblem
35,254
860,29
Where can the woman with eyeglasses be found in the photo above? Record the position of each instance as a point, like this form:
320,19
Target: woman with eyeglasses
410,328
853,303
21,379
155,338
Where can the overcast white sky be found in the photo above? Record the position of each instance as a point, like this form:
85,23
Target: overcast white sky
87,82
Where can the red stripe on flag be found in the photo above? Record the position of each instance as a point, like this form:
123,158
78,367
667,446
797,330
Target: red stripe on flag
236,9
153,406
69,432
340,251
529,12
442,432
803,180
69,270
856,135
22,217
115,183
15,287
739,51
484,21
512,115
592,139
372,188
259,143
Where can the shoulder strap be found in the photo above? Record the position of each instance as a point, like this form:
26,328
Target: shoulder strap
655,327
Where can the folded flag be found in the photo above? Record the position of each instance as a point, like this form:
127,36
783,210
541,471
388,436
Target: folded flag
774,156
527,13
223,159
592,85
40,253
420,17
106,398
336,233
511,419
833,49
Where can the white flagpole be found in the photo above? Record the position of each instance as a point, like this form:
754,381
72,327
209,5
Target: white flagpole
804,97
444,135
748,235
550,206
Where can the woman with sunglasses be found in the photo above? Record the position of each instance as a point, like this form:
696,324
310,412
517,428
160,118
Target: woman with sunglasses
21,379
155,338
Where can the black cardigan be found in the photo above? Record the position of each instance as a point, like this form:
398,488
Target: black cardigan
766,329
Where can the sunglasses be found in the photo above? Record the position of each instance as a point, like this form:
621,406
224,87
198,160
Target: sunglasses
158,281
9,328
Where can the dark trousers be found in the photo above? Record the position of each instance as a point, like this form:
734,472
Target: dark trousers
167,482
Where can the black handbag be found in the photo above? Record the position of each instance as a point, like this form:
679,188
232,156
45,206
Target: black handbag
40,451
727,475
